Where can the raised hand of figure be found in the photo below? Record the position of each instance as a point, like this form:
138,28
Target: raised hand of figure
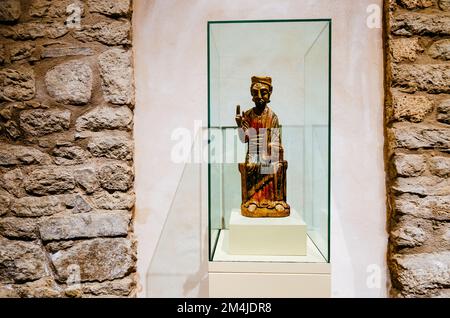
240,119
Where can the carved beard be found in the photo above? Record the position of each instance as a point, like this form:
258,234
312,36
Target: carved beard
260,101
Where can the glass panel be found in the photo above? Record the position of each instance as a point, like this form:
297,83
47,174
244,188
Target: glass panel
179,267
316,140
295,54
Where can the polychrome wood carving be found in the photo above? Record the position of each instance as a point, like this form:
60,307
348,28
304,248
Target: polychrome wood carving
263,175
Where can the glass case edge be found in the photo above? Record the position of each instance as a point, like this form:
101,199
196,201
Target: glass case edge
271,20
329,139
329,20
209,165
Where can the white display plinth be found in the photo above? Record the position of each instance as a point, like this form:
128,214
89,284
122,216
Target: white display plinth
268,275
267,236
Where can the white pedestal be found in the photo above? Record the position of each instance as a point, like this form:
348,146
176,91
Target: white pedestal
267,236
268,275
269,280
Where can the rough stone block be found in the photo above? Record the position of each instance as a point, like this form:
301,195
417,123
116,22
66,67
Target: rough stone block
49,52
12,181
10,10
414,136
105,117
440,166
8,291
40,122
5,202
111,145
70,82
98,259
415,4
21,261
55,246
119,287
109,32
441,233
114,8
409,164
31,104
17,84
117,76
405,49
43,288
87,179
79,204
53,9
115,176
443,111
113,201
417,273
85,225
18,228
70,155
16,155
440,50
12,129
51,180
423,185
411,107
21,51
7,112
444,5
433,78
414,23
34,30
38,206
3,54
411,232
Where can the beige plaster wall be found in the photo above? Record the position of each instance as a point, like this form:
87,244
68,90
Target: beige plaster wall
169,38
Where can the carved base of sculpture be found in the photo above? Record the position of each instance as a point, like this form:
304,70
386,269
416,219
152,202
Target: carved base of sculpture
265,208
264,189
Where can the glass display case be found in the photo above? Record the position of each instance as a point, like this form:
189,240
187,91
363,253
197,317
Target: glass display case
289,61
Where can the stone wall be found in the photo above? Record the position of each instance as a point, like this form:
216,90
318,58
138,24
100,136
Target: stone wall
417,114
66,149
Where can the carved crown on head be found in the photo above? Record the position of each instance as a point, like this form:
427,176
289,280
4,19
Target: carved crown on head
263,80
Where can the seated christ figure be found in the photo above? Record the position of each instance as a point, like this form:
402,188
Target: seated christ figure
263,175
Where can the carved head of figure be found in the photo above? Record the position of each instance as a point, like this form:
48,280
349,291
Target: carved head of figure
261,89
